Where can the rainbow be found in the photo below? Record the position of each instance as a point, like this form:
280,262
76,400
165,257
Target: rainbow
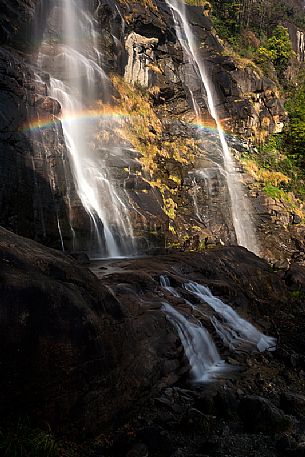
75,116
105,113
209,125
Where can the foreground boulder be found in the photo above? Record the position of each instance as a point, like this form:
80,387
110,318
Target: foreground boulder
67,354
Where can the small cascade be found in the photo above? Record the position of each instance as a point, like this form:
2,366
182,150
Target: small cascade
240,208
82,87
199,348
235,331
165,283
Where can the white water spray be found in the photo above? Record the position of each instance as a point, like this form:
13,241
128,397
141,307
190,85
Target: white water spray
235,331
199,348
78,82
241,212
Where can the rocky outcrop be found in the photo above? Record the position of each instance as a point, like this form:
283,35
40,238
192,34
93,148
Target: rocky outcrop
297,37
21,22
252,101
139,68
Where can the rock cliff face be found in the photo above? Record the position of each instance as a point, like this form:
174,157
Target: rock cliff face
21,22
298,41
168,168
35,173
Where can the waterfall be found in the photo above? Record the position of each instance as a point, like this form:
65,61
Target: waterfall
83,89
240,209
235,331
198,346
165,283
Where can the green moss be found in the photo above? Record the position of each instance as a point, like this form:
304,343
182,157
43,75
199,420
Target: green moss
297,294
273,192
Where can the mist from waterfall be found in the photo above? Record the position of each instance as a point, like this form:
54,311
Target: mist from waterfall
82,87
240,208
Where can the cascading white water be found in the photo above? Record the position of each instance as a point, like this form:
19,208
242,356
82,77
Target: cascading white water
78,82
165,283
233,330
199,348
240,209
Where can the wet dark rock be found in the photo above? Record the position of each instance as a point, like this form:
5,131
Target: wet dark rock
156,440
81,257
65,342
226,403
138,450
16,21
285,443
86,352
35,173
298,451
260,415
295,277
293,404
195,420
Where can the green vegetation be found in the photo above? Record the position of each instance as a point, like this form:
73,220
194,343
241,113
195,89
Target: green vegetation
21,440
297,294
278,174
260,16
144,130
253,34
294,138
277,49
255,30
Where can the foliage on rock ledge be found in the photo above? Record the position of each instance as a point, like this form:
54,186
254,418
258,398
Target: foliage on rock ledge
277,174
164,160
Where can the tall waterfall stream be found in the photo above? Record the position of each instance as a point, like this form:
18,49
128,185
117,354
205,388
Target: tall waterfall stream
80,84
240,208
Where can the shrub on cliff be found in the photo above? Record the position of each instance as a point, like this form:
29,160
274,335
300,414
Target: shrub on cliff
278,49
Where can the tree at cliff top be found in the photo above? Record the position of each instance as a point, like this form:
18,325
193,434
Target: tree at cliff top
259,15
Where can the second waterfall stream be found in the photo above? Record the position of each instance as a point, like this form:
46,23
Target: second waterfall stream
240,208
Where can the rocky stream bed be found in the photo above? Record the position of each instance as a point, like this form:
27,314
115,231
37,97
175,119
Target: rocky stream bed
94,355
